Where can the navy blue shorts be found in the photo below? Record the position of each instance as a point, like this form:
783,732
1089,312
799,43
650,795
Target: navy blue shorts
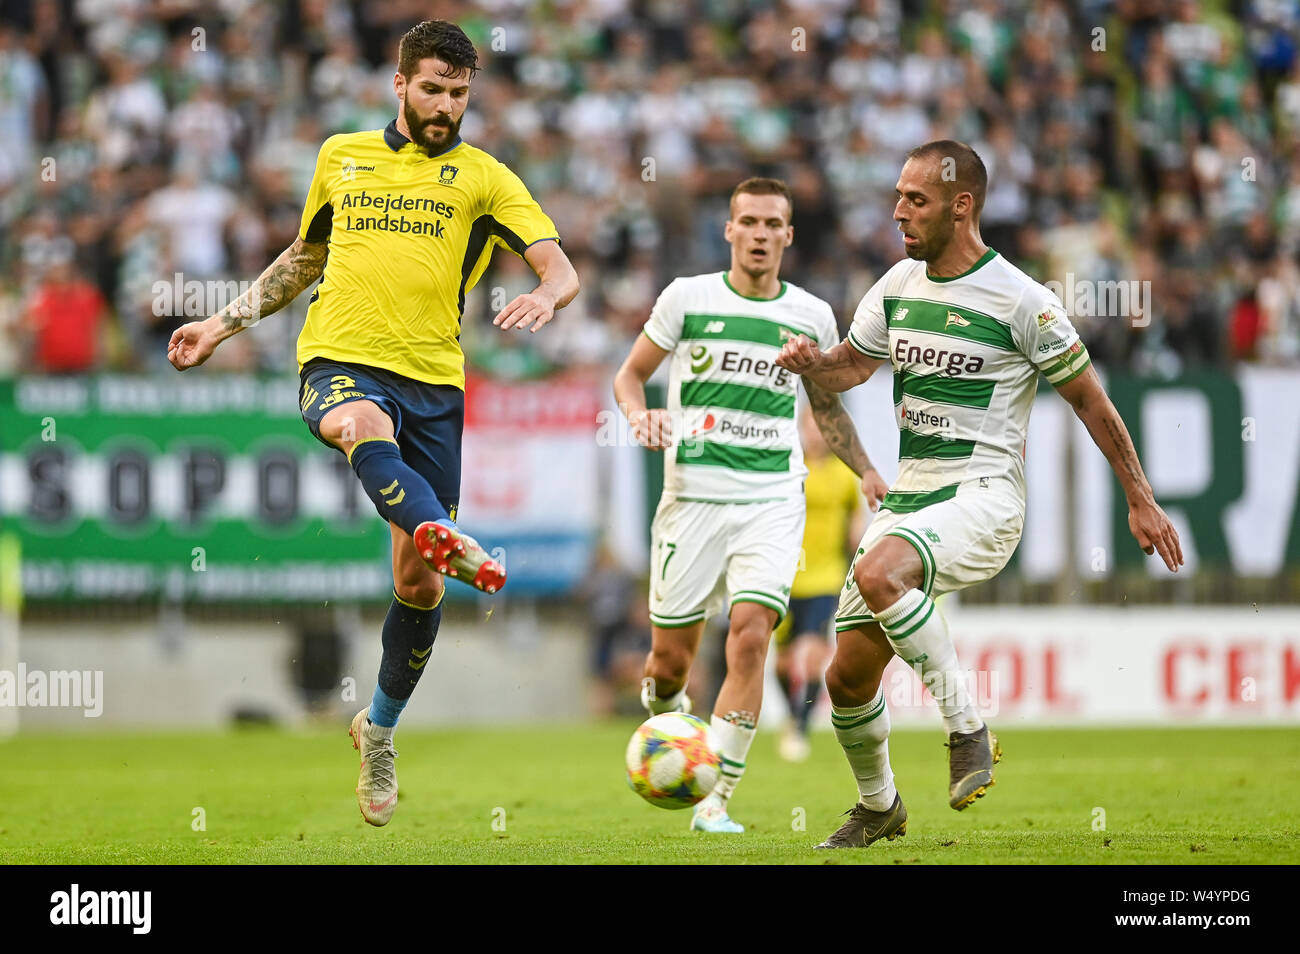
812,614
428,419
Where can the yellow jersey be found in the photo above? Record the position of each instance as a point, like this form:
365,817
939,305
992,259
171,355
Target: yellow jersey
832,492
409,235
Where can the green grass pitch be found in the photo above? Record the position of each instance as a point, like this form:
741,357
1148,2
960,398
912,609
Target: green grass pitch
557,795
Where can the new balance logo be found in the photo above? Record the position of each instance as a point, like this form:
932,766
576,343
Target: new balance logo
899,315
715,327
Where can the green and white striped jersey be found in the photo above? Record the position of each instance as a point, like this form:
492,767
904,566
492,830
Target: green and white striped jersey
967,352
733,409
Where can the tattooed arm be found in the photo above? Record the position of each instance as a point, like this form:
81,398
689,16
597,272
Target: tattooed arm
841,368
297,267
842,438
1147,522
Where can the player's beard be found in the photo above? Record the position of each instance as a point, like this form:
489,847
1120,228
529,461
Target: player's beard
932,245
418,126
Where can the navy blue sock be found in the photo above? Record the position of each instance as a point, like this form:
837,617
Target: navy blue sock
399,493
409,632
803,706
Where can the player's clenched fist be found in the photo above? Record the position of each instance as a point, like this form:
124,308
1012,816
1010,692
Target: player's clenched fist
653,429
799,355
191,345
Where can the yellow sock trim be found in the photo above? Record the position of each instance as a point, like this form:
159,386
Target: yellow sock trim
425,609
391,440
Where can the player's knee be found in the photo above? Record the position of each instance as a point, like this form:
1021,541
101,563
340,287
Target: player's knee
356,421
747,644
418,588
878,582
835,685
846,687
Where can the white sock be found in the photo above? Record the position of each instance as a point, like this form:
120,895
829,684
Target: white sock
735,738
656,706
919,634
863,731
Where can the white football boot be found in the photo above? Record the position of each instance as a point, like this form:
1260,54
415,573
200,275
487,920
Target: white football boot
377,787
711,815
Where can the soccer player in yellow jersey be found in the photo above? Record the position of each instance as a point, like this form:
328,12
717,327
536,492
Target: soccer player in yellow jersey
831,527
399,224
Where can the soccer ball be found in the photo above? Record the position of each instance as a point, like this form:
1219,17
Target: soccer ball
672,760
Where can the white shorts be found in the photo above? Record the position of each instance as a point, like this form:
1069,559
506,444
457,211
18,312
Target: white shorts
710,555
962,541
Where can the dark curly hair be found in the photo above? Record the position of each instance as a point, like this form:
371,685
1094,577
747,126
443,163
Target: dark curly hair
440,39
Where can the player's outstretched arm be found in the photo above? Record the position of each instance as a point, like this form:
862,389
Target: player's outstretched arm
651,427
842,438
297,267
1148,523
558,285
839,369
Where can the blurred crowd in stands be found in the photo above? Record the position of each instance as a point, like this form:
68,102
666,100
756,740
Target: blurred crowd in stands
154,150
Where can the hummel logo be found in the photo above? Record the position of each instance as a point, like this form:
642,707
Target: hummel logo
395,500
956,319
715,327
422,656
899,315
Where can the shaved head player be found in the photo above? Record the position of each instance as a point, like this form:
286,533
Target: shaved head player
967,334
